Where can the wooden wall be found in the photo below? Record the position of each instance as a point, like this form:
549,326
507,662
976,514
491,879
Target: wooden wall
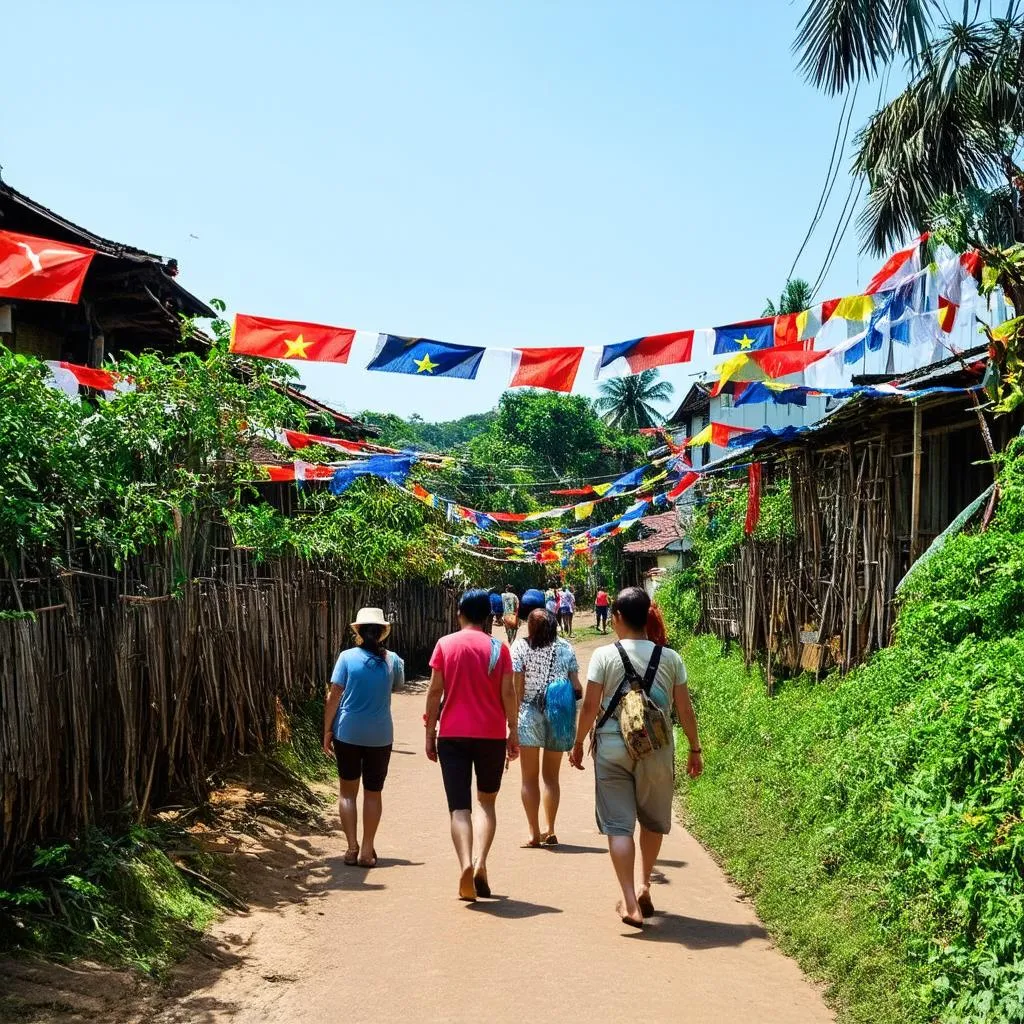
129,685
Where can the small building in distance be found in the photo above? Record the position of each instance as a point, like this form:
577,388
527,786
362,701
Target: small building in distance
659,549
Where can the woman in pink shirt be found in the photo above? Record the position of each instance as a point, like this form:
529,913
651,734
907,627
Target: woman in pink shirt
472,671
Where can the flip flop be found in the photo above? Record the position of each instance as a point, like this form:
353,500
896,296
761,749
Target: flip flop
532,844
368,863
481,886
352,857
549,840
619,909
646,904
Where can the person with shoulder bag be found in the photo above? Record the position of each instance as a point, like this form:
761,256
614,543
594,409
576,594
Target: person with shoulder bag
547,682
632,686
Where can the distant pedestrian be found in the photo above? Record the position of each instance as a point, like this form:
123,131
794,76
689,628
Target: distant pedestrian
510,613
542,661
476,734
601,603
566,608
633,783
497,607
358,730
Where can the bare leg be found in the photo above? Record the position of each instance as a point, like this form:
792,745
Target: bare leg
623,851
462,839
372,808
650,847
552,790
485,824
529,759
348,791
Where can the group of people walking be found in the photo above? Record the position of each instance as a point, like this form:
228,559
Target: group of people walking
488,705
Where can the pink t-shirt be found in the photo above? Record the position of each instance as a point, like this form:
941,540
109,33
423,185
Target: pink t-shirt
472,698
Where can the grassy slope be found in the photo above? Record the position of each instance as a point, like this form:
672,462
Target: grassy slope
876,819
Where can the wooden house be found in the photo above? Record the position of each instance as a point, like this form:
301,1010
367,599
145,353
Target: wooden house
872,485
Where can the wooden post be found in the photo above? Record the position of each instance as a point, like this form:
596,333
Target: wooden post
915,494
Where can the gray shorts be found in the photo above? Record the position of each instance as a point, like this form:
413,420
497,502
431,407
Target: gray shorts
628,791
535,730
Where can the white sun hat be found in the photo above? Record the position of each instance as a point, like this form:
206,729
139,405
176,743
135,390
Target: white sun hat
372,617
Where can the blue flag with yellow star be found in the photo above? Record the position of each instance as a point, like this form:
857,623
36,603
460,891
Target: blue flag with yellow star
746,337
422,357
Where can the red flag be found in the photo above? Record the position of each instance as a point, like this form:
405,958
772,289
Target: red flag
889,276
298,440
290,339
971,262
753,497
787,331
42,269
550,368
688,480
780,362
575,491
280,474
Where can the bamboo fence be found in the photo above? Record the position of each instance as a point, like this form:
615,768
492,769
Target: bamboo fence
127,687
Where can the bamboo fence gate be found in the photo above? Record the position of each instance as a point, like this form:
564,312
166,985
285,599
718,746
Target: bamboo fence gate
128,686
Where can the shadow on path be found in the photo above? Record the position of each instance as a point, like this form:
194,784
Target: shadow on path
695,933
503,906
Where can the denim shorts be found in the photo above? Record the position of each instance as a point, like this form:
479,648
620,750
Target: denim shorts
535,730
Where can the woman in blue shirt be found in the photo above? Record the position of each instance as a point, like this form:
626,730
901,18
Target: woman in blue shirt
358,731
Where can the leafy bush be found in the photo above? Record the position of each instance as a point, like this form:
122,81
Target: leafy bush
877,817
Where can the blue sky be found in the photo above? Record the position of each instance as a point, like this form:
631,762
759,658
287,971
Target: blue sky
537,173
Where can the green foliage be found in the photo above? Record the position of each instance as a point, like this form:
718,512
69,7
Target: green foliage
717,526
120,474
629,403
117,898
415,432
678,596
877,816
795,298
378,534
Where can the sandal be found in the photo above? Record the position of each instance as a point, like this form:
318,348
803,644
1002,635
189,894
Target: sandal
368,863
620,910
646,904
352,857
532,844
550,839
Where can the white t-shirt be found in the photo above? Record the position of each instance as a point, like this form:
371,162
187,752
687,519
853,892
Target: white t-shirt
606,668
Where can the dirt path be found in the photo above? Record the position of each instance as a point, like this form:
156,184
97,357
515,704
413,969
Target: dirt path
395,944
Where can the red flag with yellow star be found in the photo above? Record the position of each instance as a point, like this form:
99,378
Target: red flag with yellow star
290,339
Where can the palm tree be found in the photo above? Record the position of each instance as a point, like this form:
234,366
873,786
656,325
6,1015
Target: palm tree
953,131
795,298
627,402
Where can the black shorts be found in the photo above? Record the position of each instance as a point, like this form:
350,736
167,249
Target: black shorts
601,611
369,763
460,758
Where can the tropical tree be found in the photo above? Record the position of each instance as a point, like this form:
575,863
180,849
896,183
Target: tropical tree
628,402
957,127
795,298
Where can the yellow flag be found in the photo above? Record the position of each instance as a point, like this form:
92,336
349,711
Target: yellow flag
584,509
601,489
703,437
731,366
855,307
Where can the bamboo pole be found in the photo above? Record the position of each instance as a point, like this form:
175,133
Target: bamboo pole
915,493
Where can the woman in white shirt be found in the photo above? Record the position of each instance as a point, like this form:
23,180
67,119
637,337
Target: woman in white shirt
628,791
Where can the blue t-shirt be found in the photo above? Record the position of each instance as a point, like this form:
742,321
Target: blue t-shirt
364,714
496,605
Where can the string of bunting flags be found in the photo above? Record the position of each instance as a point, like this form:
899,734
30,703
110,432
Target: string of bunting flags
904,302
